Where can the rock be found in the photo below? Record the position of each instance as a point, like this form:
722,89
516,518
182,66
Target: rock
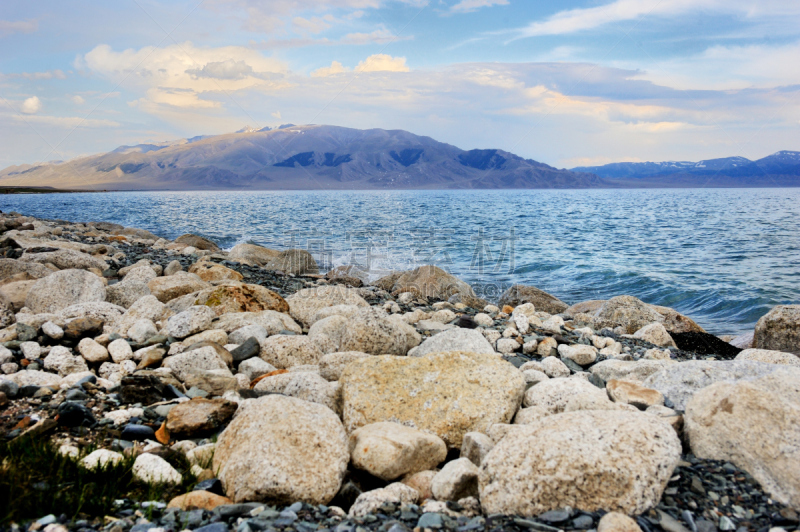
13,295
179,284
255,367
92,351
476,446
126,293
173,268
101,458
534,377
630,393
753,424
431,282
62,361
120,351
744,341
421,482
627,312
295,262
779,329
191,321
197,242
199,417
199,499
678,382
520,294
675,322
141,331
769,357
447,394
215,383
617,522
554,368
283,450
483,320
370,502
239,336
611,460
555,395
468,340
65,259
329,330
627,370
248,349
273,322
153,469
332,366
32,378
82,327
304,304
582,355
390,450
252,254
546,347
52,330
336,310
141,273
241,298
146,308
373,331
305,385
30,350
283,351
210,271
348,273
656,334
457,479
23,271
64,288
205,358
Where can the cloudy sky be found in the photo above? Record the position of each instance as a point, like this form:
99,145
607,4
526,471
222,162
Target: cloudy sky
564,82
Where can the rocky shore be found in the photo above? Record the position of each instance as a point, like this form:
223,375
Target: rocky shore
148,384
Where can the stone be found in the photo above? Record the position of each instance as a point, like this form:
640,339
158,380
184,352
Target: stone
304,304
179,284
198,242
282,450
744,341
30,350
617,522
431,282
191,321
205,358
305,385
63,362
120,351
153,469
199,417
10,268
483,320
173,267
91,351
217,336
252,254
63,289
769,357
370,502
331,366
680,381
521,294
273,322
13,295
373,331
146,308
457,479
348,273
534,377
554,368
656,334
255,367
779,329
210,271
82,327
753,424
32,377
627,312
421,482
52,330
101,458
637,371
295,262
65,259
447,394
198,499
329,330
126,293
284,351
238,298
141,331
239,336
390,450
335,310
507,345
141,273
582,355
546,347
475,446
633,394
590,460
555,395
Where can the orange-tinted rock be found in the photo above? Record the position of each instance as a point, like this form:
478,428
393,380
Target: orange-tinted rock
199,417
242,298
162,434
507,309
198,499
270,374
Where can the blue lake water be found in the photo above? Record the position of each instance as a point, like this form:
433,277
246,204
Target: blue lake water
721,256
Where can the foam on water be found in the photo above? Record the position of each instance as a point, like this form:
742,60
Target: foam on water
722,257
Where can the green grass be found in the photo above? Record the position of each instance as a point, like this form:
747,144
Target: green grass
35,480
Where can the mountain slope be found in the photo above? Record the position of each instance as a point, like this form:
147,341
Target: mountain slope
299,157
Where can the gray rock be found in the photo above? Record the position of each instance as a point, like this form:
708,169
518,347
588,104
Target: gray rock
469,340
142,330
248,331
126,293
255,367
66,259
191,321
64,288
457,479
779,329
373,331
544,302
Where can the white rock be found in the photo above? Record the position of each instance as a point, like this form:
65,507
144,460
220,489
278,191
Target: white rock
255,367
443,316
304,385
554,368
52,330
483,320
656,334
534,377
370,501
63,288
204,358
239,336
304,304
529,347
146,308
142,330
389,450
769,357
31,350
191,321
554,395
153,469
507,345
582,355
284,351
92,351
637,371
332,365
476,446
468,340
553,324
372,331
101,458
120,350
61,360
457,479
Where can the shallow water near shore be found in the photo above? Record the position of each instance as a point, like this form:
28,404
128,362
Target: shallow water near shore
721,256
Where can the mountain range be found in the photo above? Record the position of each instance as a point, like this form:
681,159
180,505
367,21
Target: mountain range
330,157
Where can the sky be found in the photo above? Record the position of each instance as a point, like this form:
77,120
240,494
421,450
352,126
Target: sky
568,83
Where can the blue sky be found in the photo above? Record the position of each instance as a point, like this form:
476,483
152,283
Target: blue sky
567,83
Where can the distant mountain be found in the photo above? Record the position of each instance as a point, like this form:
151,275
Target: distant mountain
779,169
299,157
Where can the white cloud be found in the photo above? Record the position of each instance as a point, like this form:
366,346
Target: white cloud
312,25
335,68
78,100
9,27
31,105
69,121
382,63
276,114
36,76
466,6
228,70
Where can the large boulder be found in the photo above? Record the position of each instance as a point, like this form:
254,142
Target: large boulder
656,334
211,271
197,242
273,322
679,382
591,460
23,271
431,282
286,351
305,385
66,259
519,294
295,262
304,304
769,357
126,293
191,321
469,340
64,288
754,424
252,254
282,450
15,294
779,329
390,450
447,394
637,371
237,298
176,285
632,314
373,331
555,396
